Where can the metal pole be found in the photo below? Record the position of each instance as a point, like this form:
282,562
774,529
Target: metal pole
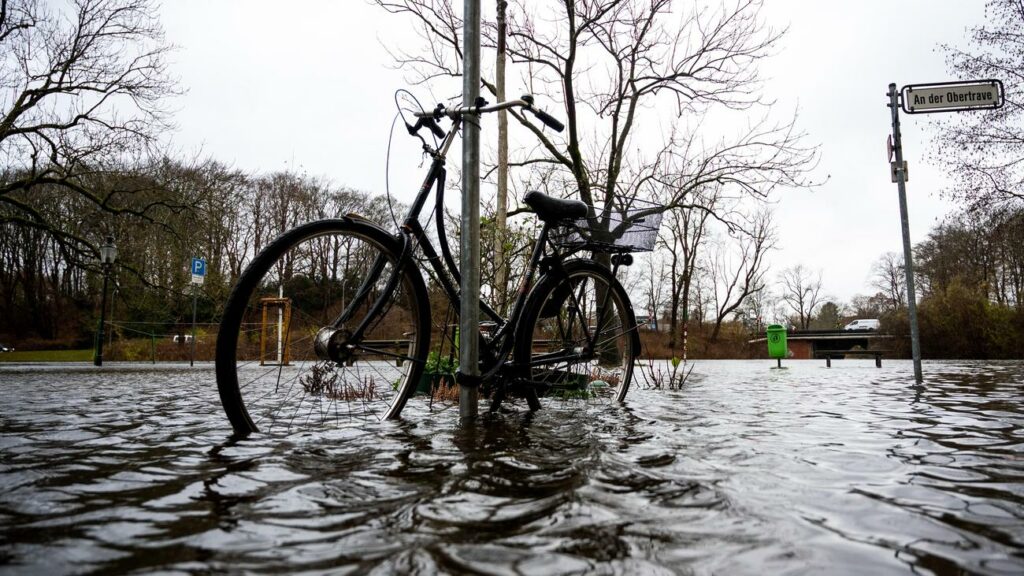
686,323
280,324
113,305
469,307
908,258
501,201
98,360
192,354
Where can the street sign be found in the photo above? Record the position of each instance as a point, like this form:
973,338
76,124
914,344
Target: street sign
198,274
888,147
952,96
198,270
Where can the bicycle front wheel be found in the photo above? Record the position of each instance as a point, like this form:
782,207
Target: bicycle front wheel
578,338
324,327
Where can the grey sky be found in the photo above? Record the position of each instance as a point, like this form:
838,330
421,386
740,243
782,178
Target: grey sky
837,62
273,84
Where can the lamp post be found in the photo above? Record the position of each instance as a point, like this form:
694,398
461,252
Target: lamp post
108,253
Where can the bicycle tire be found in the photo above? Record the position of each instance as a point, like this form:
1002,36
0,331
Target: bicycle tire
312,300
545,340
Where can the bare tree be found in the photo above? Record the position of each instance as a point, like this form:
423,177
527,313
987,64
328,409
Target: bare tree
888,276
759,309
652,282
801,292
988,163
82,84
738,271
864,306
611,63
700,299
682,236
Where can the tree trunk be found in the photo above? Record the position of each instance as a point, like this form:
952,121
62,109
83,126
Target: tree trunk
686,313
501,210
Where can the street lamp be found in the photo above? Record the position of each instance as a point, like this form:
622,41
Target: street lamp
108,253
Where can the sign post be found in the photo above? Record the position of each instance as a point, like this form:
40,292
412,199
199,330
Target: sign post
924,99
469,307
198,275
908,258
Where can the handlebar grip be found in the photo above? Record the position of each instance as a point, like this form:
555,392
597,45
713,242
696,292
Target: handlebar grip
429,123
434,128
549,120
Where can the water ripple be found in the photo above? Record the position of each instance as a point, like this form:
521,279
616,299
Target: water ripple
748,470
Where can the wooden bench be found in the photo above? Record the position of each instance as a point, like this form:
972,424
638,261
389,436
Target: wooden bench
828,355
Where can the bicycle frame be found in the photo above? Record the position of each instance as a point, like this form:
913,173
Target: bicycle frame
448,274
412,235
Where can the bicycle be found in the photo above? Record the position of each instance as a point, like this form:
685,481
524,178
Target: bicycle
353,317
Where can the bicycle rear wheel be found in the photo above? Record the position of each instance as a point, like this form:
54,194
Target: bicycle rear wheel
324,327
578,341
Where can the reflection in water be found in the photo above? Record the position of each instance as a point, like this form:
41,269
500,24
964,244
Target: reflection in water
747,470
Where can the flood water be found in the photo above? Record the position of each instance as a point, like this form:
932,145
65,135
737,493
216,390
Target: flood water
747,470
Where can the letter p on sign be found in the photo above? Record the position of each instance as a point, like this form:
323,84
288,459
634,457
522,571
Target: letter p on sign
198,270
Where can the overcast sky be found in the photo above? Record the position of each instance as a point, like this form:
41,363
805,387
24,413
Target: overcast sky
309,85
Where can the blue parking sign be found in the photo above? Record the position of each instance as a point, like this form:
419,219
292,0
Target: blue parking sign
198,267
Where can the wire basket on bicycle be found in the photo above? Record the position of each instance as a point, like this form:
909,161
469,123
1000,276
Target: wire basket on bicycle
631,227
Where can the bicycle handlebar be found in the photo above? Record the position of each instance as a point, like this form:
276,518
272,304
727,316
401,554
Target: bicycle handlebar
429,119
429,122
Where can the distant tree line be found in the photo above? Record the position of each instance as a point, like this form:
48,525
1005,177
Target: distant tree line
969,274
972,267
50,292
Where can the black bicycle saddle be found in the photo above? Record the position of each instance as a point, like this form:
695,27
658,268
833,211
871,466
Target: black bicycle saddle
549,208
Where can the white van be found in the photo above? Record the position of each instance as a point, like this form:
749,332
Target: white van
863,324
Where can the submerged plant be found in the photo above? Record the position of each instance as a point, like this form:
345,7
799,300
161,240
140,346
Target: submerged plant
658,378
322,381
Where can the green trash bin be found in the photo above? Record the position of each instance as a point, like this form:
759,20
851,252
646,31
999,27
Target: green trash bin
777,341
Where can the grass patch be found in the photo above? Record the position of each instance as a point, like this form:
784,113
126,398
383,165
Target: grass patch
47,356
